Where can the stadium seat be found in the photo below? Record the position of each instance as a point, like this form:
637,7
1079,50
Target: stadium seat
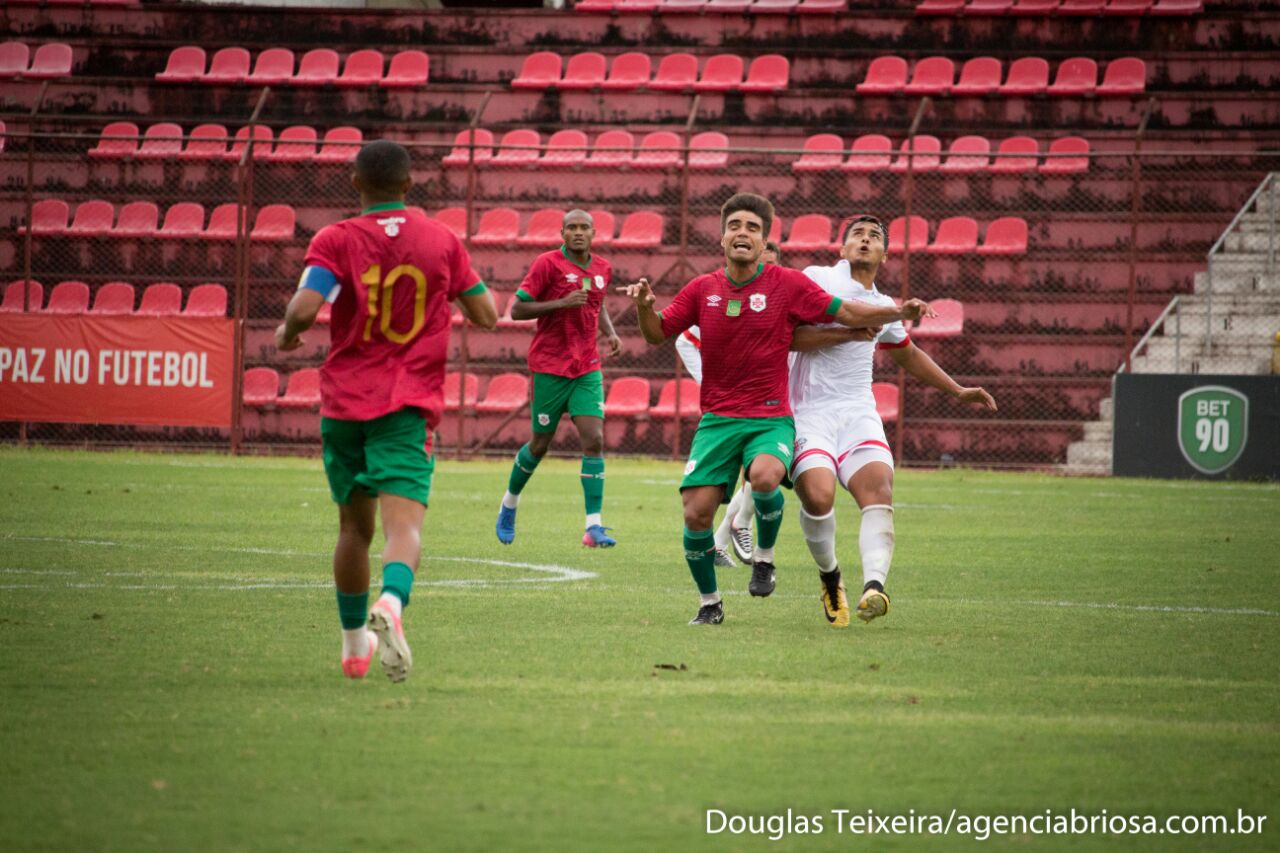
13,297
497,227
727,6
223,222
885,76
1127,76
775,230
1127,8
518,148
317,68
504,317
706,150
666,405
506,393
1080,8
363,68
274,66
622,144
137,219
1005,236
987,8
295,144
957,235
454,397
722,73
1171,8
768,73
160,300
628,396
48,216
773,7
302,391
932,76
453,218
565,148
940,7
637,5
118,139
261,386
967,155
540,70
862,161
274,222
408,69
670,7
676,72
262,137
207,300
68,297
886,397
628,71
948,323
15,59
1062,165
925,150
93,219
543,229
162,141
595,5
1016,145
640,230
604,225
919,234
1027,76
583,71
650,154
822,151
185,65
229,65
113,298
341,145
461,153
978,76
810,232
206,142
1033,8
1076,76
184,219
50,61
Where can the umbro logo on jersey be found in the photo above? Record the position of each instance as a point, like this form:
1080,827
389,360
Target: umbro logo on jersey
756,302
713,300
391,225
572,278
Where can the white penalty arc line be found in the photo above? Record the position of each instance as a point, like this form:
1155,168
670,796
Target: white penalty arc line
1151,608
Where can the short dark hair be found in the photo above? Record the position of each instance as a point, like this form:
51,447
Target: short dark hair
771,246
383,165
865,217
750,202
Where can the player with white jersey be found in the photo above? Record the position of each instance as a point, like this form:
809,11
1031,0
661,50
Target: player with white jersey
839,436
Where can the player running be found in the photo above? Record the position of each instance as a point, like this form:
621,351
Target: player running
390,274
564,290
747,312
838,432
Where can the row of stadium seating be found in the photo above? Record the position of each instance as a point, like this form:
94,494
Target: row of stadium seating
694,7
1028,75
230,65
164,141
613,149
139,219
50,61
162,299
1066,8
677,72
966,155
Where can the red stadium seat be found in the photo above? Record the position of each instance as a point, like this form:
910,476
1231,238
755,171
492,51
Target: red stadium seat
518,148
1017,145
722,73
118,139
769,73
341,145
676,72
160,300
317,68
957,235
932,76
262,136
295,144
886,397
885,76
948,323
1080,8
987,8
637,5
967,154
862,161
461,153
137,219
1005,236
595,5
1076,76
925,150
408,69
13,297
223,222
453,218
48,216
584,71
543,229
775,230
15,59
541,70
979,76
185,65
940,7
497,227
565,148
669,7
1127,8
628,397
207,142
162,141
363,68
1066,165
114,298
274,222
706,150
809,233
822,151
229,65
640,230
1127,76
604,224
1033,8
504,318
628,71
651,156
184,219
773,7
68,297
93,219
727,6
207,300
1027,76
506,393
821,7
1170,8
302,390
454,397
261,386
50,61
622,144
919,234
666,405
274,66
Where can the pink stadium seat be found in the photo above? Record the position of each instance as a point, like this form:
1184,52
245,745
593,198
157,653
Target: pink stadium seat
670,7
543,229
15,58
506,393
932,76
706,150
1061,165
1076,76
775,230
162,141
341,145
722,73
302,390
68,297
623,145
274,66
261,386
1005,236
649,156
967,154
317,68
160,300
1170,8
821,7
773,7
184,219
48,216
93,219
461,153
940,7
453,218
229,65
822,151
137,219
628,71
809,233
408,69
957,235
363,68
886,397
640,230
223,222
497,227
948,323
727,6
919,234
274,222
676,72
295,144
185,65
1129,8
518,148
207,300
1127,76
595,5
262,136
454,397
207,142
13,297
979,76
541,70
1080,8
925,150
987,8
861,161
769,73
604,225
114,298
666,405
118,139
885,76
1017,145
584,71
637,5
565,148
1027,76
1034,8
628,397
50,61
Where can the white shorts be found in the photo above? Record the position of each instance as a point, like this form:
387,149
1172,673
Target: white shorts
840,441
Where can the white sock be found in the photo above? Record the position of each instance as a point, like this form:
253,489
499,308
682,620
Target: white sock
510,501
711,598
392,601
593,518
875,542
355,643
746,508
820,535
762,555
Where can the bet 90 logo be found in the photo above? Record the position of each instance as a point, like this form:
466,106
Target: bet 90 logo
1213,424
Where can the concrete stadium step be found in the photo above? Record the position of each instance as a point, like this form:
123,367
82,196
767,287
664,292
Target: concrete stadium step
1106,409
1098,431
1094,456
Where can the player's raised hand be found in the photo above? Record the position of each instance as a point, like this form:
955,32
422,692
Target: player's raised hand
978,396
640,293
286,344
914,309
576,298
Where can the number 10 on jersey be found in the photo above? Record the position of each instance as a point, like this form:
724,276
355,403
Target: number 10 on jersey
381,290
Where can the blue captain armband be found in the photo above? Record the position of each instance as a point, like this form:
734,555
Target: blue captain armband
321,281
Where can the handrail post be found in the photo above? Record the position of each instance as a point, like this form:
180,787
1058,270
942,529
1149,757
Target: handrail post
30,203
908,195
681,258
240,310
463,353
1134,209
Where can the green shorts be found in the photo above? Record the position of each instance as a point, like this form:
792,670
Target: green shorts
723,446
554,395
387,454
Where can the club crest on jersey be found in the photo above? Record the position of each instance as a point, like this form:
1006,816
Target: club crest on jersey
391,225
544,419
599,282
756,302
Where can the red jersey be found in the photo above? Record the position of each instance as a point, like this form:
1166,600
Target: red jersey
565,341
746,335
397,271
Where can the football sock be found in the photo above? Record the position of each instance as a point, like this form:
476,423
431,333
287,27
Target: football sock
876,585
768,519
353,609
722,532
746,508
820,535
397,581
710,598
355,642
593,487
875,542
700,554
521,471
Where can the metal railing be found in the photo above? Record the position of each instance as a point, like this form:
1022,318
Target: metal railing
1268,188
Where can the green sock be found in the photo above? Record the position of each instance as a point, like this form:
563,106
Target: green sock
397,579
353,609
593,483
768,516
700,554
526,462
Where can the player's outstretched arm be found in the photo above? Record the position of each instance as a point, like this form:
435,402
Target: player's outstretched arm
479,309
605,325
810,338
530,310
650,323
857,314
298,317
918,363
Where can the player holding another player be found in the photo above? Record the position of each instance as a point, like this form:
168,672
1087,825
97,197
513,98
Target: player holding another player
390,273
564,290
747,312
838,432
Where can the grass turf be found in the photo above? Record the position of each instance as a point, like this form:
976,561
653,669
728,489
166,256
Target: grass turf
169,676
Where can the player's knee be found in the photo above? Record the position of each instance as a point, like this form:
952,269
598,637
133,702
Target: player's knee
356,529
766,479
592,444
817,501
540,443
698,518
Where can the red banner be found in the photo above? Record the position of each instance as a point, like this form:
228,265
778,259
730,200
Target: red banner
170,371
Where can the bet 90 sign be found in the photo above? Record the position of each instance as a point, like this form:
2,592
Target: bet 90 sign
1213,426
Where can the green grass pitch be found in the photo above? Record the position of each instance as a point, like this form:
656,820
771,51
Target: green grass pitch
169,672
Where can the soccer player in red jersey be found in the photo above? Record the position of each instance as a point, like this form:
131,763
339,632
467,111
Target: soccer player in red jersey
747,313
390,274
564,290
